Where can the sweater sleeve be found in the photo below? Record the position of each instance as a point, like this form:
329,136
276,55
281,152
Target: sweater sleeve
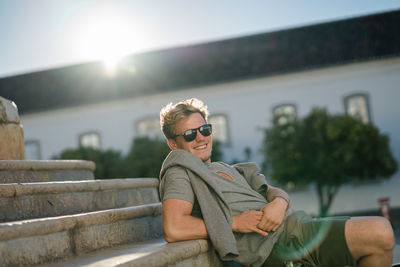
251,172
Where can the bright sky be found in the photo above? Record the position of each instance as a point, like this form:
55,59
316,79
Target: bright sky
43,34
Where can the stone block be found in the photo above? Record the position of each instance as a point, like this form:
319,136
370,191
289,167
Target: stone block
39,241
30,171
45,205
11,142
11,133
180,254
38,200
100,236
8,111
148,194
31,250
151,253
207,259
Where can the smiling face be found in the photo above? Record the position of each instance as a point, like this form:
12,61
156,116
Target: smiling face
201,146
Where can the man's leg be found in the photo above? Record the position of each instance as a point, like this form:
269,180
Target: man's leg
370,240
314,241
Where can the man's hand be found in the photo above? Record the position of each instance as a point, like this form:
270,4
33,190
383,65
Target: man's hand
247,221
273,215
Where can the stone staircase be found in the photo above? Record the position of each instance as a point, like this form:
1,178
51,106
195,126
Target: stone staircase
91,222
56,213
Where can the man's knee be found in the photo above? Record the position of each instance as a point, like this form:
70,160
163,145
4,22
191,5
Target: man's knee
385,233
373,232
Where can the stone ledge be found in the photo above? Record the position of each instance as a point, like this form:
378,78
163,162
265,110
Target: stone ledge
48,199
186,253
21,189
40,165
33,227
28,171
152,253
42,241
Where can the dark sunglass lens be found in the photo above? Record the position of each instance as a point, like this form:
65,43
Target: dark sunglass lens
205,130
190,135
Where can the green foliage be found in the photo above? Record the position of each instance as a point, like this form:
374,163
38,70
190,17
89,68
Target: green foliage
216,154
329,150
145,157
108,162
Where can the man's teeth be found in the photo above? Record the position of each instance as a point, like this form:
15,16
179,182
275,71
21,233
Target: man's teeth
201,147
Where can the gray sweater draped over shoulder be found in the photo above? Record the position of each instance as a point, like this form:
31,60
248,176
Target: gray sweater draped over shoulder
216,212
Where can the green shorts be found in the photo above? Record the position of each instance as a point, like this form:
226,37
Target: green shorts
312,241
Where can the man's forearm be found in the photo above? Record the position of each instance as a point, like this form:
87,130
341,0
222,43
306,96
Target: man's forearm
274,211
178,224
185,228
274,192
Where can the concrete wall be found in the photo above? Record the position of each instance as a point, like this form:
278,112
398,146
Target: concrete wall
247,104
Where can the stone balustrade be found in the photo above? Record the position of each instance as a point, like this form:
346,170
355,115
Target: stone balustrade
19,201
29,171
36,241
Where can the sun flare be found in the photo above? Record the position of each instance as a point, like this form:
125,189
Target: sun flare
110,39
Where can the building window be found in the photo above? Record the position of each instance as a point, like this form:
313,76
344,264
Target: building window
32,150
285,113
149,127
220,128
90,139
357,105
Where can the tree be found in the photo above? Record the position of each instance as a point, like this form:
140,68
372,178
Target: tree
216,154
145,157
328,150
107,162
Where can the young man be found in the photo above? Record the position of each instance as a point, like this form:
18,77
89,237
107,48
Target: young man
247,220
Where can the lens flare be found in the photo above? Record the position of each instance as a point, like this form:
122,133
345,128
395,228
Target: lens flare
109,38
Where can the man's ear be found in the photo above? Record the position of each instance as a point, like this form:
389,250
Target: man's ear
172,144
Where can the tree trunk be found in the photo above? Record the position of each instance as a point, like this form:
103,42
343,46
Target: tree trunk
326,194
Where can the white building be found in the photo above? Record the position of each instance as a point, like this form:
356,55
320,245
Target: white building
350,66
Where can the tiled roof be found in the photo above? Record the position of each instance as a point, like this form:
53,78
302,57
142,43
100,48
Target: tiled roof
315,46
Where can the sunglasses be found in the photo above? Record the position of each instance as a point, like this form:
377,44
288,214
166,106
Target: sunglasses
190,135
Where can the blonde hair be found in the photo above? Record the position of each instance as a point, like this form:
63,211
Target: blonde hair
172,113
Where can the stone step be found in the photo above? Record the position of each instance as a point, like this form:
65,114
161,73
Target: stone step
152,253
47,240
28,171
38,200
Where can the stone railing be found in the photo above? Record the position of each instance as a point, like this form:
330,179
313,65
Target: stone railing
37,241
29,171
20,201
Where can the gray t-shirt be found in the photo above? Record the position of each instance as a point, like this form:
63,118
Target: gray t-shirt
253,248
234,188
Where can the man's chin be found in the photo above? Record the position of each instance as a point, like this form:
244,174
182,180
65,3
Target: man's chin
206,158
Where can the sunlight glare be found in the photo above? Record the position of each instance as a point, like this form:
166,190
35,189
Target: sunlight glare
111,65
110,39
